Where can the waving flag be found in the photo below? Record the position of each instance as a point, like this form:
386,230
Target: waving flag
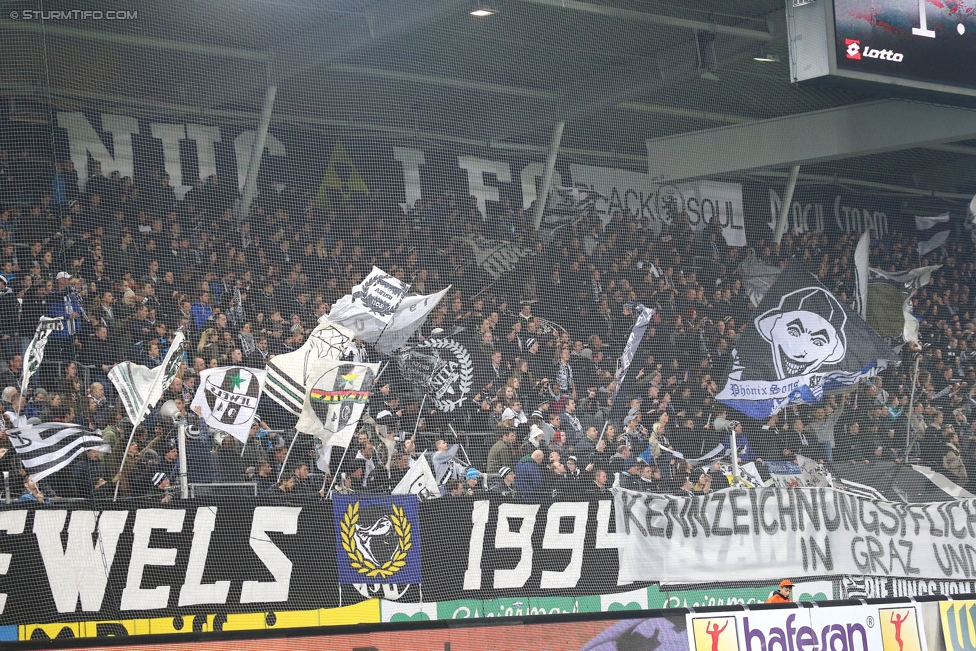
288,374
337,395
803,343
227,399
47,448
377,297
388,335
35,349
140,388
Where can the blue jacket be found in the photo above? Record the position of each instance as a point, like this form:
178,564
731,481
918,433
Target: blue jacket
528,480
63,304
200,314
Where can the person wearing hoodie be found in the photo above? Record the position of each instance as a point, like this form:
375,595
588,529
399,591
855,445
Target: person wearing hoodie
528,477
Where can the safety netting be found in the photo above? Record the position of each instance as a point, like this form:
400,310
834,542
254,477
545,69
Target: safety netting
339,313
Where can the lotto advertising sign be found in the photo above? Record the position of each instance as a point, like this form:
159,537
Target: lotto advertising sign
650,633
844,628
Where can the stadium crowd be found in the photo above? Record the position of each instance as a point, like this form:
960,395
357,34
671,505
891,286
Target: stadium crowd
128,264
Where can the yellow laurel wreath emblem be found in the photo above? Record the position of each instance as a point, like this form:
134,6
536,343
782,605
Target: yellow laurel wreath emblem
362,565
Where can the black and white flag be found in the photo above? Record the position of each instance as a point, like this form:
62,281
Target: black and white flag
625,381
47,448
440,368
803,343
288,374
495,257
419,481
567,203
227,399
377,297
337,395
409,314
35,349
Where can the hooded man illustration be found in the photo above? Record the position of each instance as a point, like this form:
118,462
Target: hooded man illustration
805,331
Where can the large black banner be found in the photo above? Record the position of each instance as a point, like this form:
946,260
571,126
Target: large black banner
130,561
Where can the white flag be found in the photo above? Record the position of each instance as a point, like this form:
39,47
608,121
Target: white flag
35,349
387,337
288,374
377,297
334,402
861,255
227,399
419,480
938,240
923,223
140,388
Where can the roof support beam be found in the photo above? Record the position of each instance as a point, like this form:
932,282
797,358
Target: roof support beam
656,19
832,134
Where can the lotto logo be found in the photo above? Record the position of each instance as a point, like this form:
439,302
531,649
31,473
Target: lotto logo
853,48
715,634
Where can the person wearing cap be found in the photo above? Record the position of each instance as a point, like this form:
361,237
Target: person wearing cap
505,488
783,595
63,303
472,483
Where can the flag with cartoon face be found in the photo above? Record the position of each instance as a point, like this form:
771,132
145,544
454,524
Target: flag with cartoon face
227,399
336,395
803,342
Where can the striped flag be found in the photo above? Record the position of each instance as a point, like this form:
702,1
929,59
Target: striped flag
289,373
47,448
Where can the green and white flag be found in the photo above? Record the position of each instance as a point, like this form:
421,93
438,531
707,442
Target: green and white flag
35,349
140,388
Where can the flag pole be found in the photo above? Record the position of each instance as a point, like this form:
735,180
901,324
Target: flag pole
420,414
911,406
143,411
287,454
336,476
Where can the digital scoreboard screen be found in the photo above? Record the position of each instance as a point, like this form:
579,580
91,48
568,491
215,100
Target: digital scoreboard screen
928,44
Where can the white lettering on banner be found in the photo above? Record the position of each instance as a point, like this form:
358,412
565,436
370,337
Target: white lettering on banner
573,541
171,135
810,217
134,596
281,520
204,137
411,160
84,140
193,592
897,627
479,520
521,539
703,201
80,570
477,168
11,523
775,532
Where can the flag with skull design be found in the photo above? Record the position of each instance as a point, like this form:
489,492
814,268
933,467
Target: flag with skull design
803,343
